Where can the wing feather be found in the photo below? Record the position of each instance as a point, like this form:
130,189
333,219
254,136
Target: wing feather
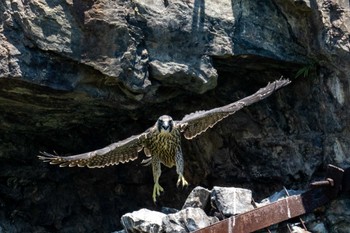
196,123
113,154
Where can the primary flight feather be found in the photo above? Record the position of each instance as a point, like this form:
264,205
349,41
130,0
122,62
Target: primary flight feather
161,142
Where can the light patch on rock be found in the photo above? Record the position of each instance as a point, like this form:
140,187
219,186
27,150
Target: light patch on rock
143,220
232,201
198,197
187,220
336,89
340,156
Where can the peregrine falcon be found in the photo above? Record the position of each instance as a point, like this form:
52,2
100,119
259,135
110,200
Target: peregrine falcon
162,142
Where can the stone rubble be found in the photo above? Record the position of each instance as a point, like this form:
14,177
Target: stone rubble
228,201
198,208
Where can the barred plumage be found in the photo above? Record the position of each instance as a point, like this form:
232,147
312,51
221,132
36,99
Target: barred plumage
162,142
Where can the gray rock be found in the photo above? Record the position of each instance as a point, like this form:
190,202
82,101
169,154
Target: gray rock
315,222
190,77
338,216
198,198
318,227
232,201
297,229
143,220
187,220
121,231
9,67
124,39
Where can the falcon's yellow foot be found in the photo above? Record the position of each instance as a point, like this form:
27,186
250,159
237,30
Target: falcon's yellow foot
156,191
181,180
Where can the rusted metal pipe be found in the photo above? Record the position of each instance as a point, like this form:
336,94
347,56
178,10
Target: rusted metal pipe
322,183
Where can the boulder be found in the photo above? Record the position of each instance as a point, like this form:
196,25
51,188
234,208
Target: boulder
232,201
198,198
187,220
297,229
338,215
143,220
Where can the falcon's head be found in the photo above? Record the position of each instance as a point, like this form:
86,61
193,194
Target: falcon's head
165,124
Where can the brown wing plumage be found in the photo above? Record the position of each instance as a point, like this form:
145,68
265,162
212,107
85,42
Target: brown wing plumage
119,152
196,123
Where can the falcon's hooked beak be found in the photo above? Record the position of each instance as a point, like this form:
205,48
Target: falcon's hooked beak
165,124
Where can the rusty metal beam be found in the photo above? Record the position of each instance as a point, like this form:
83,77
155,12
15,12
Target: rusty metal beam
267,215
286,208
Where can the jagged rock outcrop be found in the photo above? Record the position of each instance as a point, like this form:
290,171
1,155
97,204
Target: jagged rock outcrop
78,75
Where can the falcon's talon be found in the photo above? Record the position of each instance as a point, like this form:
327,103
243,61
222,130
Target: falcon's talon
181,180
156,191
146,162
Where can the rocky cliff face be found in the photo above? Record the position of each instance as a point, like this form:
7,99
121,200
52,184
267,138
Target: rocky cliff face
77,75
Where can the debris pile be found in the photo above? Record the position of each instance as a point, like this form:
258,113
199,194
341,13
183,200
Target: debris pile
205,207
202,208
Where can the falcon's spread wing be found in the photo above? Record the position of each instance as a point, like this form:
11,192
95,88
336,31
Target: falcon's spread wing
119,152
198,122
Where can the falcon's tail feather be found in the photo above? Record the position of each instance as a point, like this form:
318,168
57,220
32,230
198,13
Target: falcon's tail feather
46,157
53,159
